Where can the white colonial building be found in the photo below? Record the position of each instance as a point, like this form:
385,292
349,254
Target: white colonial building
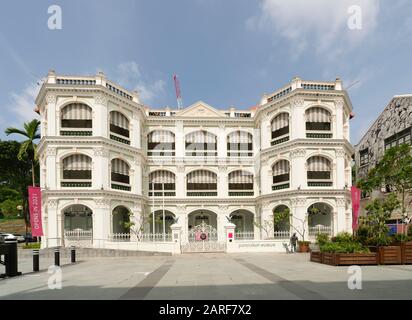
106,160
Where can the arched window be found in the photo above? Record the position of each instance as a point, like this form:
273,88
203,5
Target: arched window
281,175
280,128
119,127
201,143
320,218
120,175
162,182
77,171
281,215
161,143
319,172
318,123
239,144
240,183
201,183
76,120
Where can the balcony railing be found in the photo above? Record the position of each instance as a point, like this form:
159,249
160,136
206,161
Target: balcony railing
279,141
76,184
281,234
205,193
315,230
155,237
119,139
320,183
119,237
239,193
319,135
161,194
281,186
121,187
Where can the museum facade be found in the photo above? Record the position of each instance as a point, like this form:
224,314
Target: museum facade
115,171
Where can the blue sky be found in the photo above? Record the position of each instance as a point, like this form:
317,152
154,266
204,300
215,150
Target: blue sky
225,52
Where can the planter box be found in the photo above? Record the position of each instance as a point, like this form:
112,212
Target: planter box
359,259
344,259
406,252
390,255
316,256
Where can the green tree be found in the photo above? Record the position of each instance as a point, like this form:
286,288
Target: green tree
378,212
9,207
394,171
28,148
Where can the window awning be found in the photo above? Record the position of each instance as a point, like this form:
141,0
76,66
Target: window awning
77,162
318,114
318,163
76,111
202,176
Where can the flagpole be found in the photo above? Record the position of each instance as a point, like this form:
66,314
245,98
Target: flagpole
163,204
153,212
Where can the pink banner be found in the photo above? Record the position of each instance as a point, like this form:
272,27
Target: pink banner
356,196
35,211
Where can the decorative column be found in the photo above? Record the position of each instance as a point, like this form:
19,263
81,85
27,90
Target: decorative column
51,169
221,221
298,176
340,169
256,217
53,116
136,176
136,131
339,103
135,217
222,182
265,131
101,222
265,176
221,142
54,232
297,120
340,216
183,222
180,182
101,169
100,117
179,139
266,219
299,218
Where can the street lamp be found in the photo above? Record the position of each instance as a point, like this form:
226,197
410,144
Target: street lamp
20,209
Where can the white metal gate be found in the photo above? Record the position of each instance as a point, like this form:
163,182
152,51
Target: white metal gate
203,238
78,238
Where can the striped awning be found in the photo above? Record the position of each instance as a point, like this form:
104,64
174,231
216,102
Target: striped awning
239,137
280,121
281,167
77,162
77,111
240,177
201,137
119,120
318,114
202,176
161,136
121,167
318,163
162,176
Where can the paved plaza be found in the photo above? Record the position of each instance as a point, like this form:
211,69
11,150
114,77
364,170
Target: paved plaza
206,276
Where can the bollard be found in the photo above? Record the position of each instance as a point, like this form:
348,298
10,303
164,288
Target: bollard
73,254
36,260
56,257
11,259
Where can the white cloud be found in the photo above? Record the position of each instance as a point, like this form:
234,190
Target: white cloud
22,104
317,25
128,75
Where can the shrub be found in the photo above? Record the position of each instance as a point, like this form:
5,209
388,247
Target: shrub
343,237
322,238
400,237
362,234
342,247
382,240
31,246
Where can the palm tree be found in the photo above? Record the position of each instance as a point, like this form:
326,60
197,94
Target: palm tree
28,148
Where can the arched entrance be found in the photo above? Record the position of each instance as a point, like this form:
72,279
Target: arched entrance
162,224
202,233
281,222
78,225
120,224
243,219
320,219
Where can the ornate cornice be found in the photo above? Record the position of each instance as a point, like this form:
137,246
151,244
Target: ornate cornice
298,153
102,152
51,98
100,99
